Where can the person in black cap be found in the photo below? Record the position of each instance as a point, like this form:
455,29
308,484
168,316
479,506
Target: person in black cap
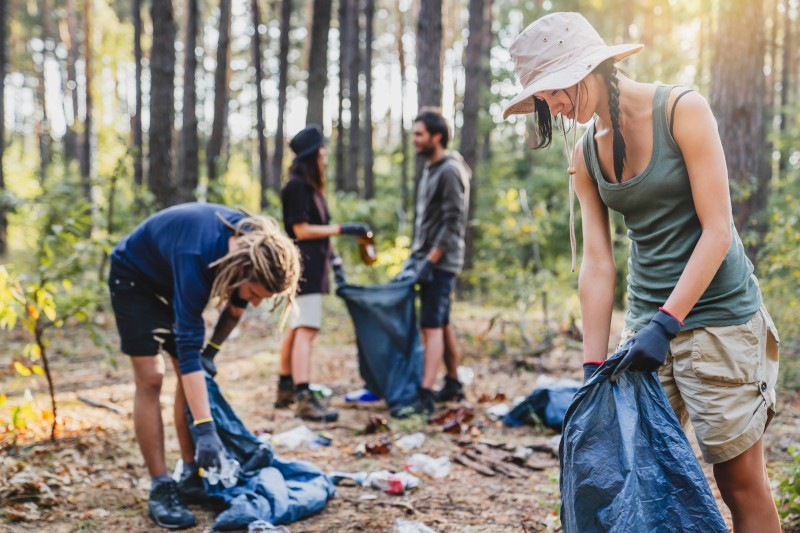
307,221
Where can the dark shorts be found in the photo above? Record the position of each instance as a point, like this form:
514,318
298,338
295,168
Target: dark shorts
144,319
435,299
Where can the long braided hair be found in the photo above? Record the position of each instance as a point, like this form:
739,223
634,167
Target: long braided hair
262,254
544,120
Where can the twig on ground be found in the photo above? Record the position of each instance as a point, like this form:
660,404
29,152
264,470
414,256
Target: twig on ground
104,405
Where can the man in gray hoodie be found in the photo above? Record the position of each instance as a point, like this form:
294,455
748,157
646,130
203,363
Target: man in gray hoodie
437,255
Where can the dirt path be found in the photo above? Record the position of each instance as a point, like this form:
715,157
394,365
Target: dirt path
98,482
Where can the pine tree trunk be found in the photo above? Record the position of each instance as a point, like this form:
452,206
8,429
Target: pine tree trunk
188,153
369,174
3,215
214,148
737,98
162,107
283,76
138,175
71,136
318,60
263,174
401,29
86,141
343,77
353,59
474,84
786,87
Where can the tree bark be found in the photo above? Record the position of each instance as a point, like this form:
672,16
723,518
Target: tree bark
262,143
474,84
318,60
3,215
86,141
343,77
188,153
71,136
369,157
138,175
737,98
401,29
221,91
353,59
283,76
786,88
162,107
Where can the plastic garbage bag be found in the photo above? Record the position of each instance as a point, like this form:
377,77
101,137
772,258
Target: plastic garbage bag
390,354
545,405
626,464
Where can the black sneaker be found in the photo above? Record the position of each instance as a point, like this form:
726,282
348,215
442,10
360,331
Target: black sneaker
166,509
191,489
422,405
451,392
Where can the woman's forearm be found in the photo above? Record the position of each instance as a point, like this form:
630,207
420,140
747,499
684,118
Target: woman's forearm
310,232
596,288
194,388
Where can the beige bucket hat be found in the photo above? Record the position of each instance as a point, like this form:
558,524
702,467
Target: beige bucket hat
555,52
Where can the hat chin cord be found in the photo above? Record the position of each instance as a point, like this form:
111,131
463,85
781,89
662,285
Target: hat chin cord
571,171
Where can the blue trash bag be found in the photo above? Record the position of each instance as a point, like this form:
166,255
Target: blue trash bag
626,464
390,355
545,405
268,488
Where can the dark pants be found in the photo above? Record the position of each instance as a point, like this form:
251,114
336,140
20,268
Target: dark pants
435,299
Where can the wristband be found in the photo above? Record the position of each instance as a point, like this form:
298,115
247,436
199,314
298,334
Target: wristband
215,346
236,300
593,362
670,314
203,421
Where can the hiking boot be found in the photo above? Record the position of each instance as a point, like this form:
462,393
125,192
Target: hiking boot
451,392
309,408
422,405
285,396
165,508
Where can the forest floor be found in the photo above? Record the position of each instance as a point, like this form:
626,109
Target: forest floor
95,479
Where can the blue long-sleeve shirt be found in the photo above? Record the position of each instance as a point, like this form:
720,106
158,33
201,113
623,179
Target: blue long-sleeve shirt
169,253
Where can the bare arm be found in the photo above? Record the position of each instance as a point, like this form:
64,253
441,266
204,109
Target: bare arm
194,388
307,232
597,277
227,320
695,131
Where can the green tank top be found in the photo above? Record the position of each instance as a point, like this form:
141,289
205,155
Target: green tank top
663,228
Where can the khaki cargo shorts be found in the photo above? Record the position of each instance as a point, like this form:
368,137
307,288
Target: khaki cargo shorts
722,379
307,312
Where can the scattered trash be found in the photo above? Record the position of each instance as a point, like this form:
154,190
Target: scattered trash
465,375
320,391
376,424
457,420
490,458
498,411
262,526
493,398
410,526
553,443
177,472
545,406
379,447
226,473
300,437
388,482
420,463
264,437
409,442
361,396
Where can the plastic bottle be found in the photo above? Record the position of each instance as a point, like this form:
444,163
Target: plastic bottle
409,442
465,375
299,437
420,463
226,473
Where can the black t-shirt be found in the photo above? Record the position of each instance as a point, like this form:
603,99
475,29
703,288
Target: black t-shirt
301,203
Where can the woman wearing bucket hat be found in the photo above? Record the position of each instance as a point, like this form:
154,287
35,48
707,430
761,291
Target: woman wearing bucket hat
695,312
306,219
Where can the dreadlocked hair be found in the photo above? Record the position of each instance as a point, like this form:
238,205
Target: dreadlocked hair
609,73
261,254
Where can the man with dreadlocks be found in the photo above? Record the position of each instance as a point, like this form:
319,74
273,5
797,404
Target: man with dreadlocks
162,277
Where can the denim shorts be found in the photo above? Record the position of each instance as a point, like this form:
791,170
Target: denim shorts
435,299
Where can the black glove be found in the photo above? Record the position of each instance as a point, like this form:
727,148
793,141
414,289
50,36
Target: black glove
354,229
425,272
589,369
208,446
207,359
647,350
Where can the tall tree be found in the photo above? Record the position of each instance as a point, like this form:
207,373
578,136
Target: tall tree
138,176
43,123
473,87
318,60
737,98
262,143
162,107
3,215
369,175
221,92
401,30
283,76
73,51
786,85
343,77
86,141
353,33
188,151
